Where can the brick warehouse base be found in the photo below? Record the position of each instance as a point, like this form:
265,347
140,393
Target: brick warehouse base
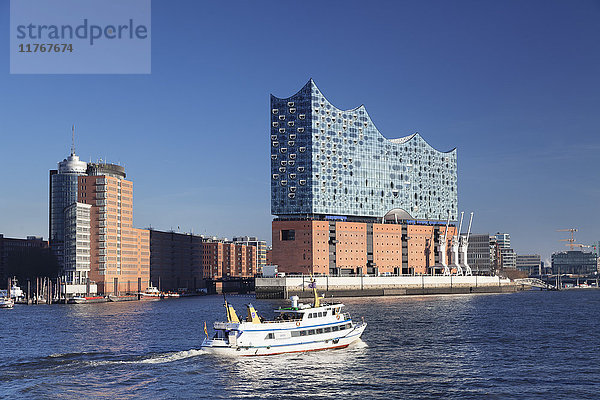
281,288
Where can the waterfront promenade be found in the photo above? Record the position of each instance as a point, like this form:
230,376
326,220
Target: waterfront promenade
359,286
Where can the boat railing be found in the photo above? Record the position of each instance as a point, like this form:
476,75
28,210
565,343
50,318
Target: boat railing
347,316
277,321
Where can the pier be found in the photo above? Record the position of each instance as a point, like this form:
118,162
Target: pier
363,286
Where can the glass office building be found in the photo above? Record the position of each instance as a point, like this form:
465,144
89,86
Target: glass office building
63,193
331,162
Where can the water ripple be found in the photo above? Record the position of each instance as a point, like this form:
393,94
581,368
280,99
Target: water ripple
534,345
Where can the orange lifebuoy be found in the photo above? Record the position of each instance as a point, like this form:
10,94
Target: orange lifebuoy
298,323
338,317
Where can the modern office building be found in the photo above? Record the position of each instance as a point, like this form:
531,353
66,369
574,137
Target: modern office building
495,262
349,201
63,193
119,253
530,263
261,249
176,261
508,257
76,268
574,262
503,240
478,254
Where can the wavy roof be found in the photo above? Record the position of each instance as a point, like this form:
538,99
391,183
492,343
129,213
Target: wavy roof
402,140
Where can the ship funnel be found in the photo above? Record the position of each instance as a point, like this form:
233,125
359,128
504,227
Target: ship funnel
294,300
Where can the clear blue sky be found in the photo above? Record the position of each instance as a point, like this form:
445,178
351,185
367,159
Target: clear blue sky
514,85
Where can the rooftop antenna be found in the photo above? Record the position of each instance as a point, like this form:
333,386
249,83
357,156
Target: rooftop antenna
73,140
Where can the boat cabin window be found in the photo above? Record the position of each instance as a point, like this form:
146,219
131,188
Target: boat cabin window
320,330
288,317
270,336
320,314
219,335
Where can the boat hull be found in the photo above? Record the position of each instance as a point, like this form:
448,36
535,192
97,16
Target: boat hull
317,345
87,300
114,298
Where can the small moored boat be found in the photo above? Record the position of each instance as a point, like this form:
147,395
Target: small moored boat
151,292
87,299
6,302
298,328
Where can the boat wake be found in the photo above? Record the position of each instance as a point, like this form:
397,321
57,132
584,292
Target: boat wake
169,357
153,359
359,344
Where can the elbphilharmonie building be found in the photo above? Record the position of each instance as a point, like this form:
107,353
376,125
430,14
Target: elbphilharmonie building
331,162
349,201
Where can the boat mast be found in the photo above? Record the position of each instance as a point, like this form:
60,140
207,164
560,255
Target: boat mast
313,285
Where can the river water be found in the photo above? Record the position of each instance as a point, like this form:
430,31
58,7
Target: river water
531,345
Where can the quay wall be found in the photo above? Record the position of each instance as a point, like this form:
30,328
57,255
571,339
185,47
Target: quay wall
360,286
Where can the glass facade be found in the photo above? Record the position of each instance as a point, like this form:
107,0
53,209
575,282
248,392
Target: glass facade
330,162
63,193
77,243
574,262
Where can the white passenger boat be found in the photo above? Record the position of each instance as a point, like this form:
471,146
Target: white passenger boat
6,302
151,292
299,328
77,300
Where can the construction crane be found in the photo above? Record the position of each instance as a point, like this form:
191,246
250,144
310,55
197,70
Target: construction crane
571,240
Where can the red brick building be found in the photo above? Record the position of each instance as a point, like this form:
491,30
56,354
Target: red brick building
119,253
340,247
226,259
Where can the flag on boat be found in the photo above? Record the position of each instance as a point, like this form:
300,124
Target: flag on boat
205,330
